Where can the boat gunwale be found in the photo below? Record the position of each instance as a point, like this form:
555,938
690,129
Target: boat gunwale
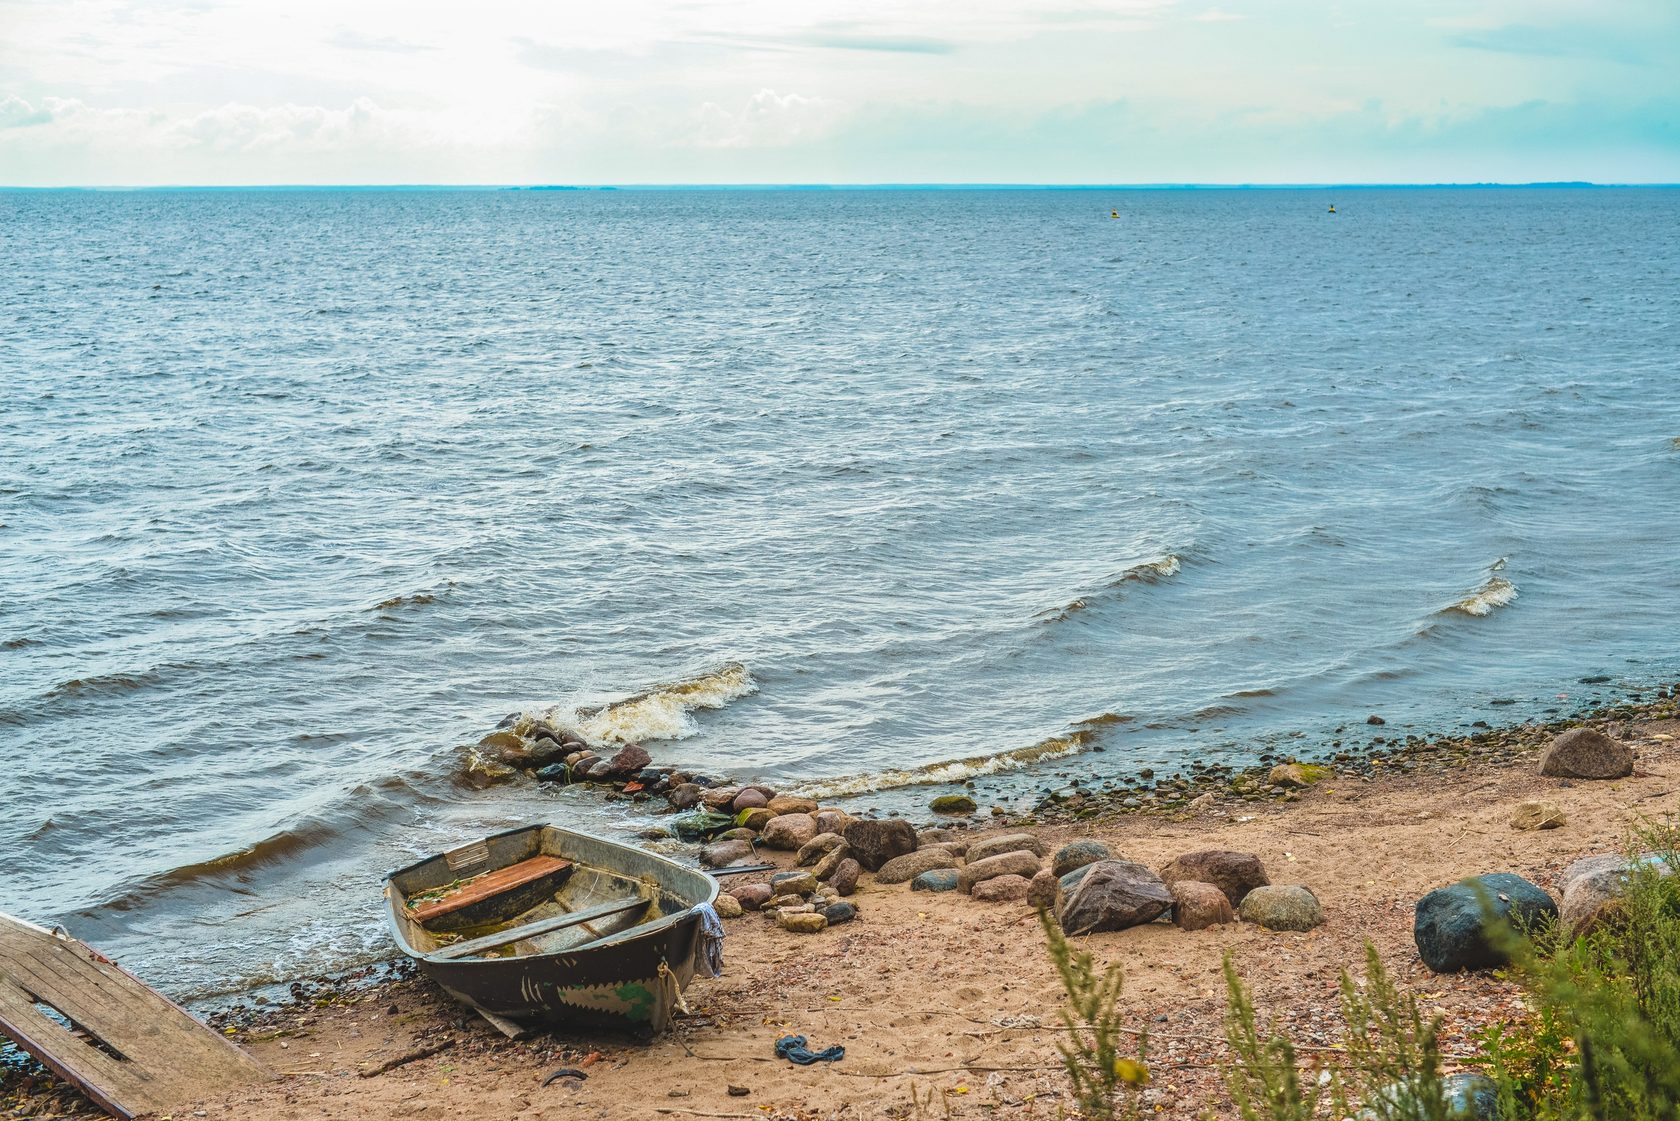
640,930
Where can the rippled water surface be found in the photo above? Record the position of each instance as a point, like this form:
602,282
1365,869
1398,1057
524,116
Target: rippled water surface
301,490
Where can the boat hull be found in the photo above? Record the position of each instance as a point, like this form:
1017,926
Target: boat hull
631,980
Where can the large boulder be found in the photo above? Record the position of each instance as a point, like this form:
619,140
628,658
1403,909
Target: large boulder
1077,854
902,869
1282,907
1234,873
1017,863
1009,842
1592,899
1197,906
874,841
1113,895
1452,924
1586,753
789,832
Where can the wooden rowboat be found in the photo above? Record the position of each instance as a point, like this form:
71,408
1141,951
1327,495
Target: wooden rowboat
541,926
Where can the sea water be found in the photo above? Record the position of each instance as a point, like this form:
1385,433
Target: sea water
855,491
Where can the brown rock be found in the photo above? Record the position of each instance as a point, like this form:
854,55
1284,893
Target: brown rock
874,841
1009,842
845,876
1535,814
727,906
801,922
750,799
683,795
1002,889
903,869
1041,892
825,868
751,896
1017,863
1112,895
1234,873
721,854
789,804
832,821
719,797
817,848
1586,753
1197,906
628,761
789,831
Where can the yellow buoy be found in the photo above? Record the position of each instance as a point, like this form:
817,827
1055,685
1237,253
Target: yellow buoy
1114,214
1332,208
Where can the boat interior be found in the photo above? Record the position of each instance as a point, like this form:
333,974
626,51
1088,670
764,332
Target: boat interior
537,890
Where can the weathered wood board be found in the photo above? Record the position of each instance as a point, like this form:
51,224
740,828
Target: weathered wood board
134,1052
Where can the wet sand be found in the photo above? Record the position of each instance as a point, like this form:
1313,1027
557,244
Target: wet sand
944,996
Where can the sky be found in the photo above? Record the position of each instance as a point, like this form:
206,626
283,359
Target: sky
245,92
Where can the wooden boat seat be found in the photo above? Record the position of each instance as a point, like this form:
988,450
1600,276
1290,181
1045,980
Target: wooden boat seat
487,886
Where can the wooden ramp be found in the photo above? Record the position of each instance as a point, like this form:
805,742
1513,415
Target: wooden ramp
132,1051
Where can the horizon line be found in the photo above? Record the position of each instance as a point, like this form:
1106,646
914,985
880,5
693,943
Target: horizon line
874,186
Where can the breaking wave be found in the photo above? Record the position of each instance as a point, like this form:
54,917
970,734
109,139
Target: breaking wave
960,770
1496,592
1149,572
660,713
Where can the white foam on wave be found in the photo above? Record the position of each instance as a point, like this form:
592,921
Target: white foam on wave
663,712
960,770
1147,572
1497,592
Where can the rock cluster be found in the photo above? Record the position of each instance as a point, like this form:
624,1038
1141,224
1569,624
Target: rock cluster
796,900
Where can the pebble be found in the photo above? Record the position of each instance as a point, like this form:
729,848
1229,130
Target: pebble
836,913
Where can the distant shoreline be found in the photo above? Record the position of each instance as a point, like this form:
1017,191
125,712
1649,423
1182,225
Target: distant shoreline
587,187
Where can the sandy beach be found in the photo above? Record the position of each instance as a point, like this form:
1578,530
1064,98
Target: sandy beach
947,1006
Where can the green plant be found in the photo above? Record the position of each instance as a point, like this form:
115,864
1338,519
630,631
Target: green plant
1106,1083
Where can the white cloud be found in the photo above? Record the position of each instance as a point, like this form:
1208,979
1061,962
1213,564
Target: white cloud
767,120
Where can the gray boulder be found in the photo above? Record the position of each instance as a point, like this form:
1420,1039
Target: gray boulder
940,879
1586,753
1465,925
1112,895
1077,854
1282,907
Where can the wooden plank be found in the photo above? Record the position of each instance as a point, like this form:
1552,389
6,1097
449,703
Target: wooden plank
532,929
163,1057
488,885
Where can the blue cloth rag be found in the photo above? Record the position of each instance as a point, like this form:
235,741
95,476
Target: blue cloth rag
793,1049
708,946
